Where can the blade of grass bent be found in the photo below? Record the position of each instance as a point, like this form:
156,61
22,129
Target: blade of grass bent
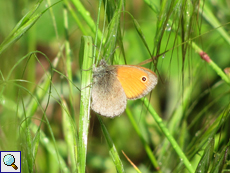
11,37
86,53
25,18
21,29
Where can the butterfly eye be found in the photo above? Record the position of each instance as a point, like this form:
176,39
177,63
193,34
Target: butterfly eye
144,79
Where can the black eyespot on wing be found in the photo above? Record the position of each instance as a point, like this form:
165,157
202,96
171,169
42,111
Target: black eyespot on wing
144,79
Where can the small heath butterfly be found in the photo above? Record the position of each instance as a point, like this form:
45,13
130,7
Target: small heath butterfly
114,84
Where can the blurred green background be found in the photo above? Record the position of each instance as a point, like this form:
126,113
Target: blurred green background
192,97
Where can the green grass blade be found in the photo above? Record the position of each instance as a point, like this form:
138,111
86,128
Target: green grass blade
145,144
41,137
166,132
154,5
21,28
75,16
202,139
70,136
19,33
36,141
205,161
28,150
68,62
211,18
113,34
220,160
112,149
97,28
51,148
141,34
215,67
25,19
40,94
86,53
86,16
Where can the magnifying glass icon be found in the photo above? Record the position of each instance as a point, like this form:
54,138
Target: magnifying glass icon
9,160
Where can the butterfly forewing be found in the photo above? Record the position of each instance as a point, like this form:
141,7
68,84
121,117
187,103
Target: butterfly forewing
136,81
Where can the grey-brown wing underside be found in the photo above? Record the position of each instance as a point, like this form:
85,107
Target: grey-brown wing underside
108,96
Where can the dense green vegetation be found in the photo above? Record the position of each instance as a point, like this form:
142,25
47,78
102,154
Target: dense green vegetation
47,49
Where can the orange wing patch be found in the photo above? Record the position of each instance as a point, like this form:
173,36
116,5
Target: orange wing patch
134,80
